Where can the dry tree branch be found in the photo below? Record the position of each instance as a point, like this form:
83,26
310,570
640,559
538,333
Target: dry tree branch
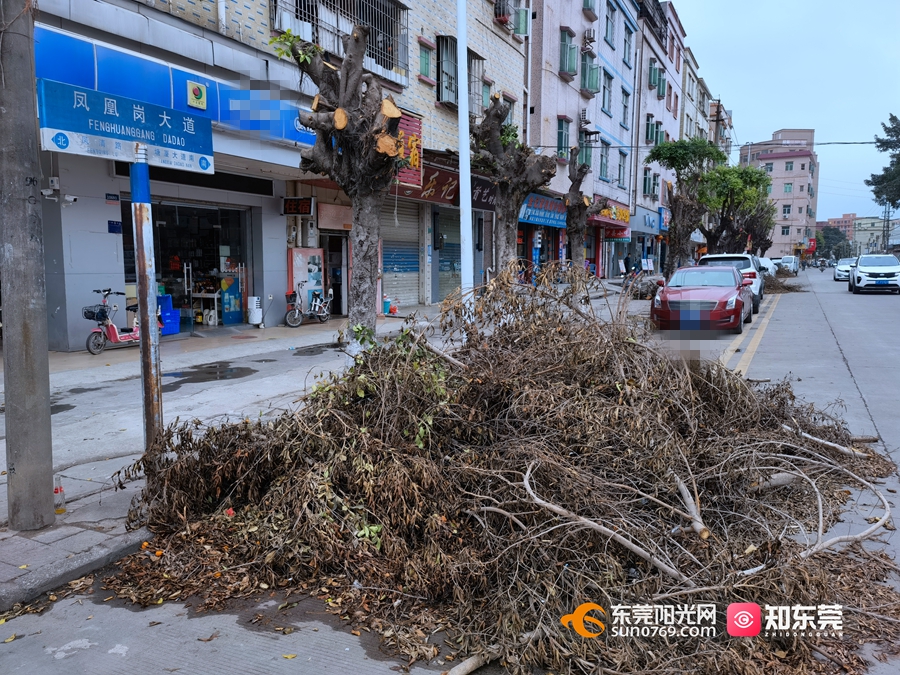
692,507
840,448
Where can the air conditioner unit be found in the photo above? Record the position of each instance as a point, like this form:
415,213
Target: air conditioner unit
584,118
590,37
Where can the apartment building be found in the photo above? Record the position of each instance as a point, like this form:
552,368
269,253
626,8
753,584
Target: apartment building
844,224
869,234
793,166
208,66
721,127
583,76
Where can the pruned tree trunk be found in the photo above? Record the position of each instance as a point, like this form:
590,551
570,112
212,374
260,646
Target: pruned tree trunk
356,146
686,215
578,208
513,168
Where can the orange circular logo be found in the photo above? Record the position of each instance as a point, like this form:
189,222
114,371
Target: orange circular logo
576,619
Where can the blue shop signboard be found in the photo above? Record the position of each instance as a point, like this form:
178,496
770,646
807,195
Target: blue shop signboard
543,211
665,218
82,121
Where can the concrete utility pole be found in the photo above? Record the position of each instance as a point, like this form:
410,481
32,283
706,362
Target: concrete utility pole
29,443
886,228
467,251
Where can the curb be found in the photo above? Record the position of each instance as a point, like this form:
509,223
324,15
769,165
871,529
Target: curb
59,573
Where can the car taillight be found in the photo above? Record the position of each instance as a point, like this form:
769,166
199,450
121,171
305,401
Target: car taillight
749,275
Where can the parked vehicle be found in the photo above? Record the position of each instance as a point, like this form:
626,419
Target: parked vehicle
319,307
704,298
106,331
768,266
748,265
842,269
878,272
791,263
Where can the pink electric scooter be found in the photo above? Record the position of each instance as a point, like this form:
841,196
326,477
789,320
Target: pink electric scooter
107,331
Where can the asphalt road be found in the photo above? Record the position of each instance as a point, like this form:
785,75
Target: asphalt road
838,350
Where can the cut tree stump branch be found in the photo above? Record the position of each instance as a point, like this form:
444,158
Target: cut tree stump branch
840,448
473,663
696,521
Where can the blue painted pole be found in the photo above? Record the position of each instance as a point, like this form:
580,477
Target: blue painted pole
146,282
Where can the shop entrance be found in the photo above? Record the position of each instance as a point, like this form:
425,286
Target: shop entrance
334,246
213,242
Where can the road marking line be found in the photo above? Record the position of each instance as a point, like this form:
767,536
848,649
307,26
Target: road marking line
744,364
730,351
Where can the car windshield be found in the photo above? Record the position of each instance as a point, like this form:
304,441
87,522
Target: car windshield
879,261
739,263
788,259
695,277
846,261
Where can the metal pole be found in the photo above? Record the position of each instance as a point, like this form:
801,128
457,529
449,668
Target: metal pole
467,253
146,278
29,443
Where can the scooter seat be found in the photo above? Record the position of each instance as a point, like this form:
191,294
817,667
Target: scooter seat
131,308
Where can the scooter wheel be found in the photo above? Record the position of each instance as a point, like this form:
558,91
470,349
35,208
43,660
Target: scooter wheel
293,318
95,343
323,317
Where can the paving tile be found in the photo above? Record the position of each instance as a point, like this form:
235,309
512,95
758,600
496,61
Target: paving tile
10,572
54,533
83,541
21,551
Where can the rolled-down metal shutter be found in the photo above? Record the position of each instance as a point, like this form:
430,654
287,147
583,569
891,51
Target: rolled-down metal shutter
449,271
400,251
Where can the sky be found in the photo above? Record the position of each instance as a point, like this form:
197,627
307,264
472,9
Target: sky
827,65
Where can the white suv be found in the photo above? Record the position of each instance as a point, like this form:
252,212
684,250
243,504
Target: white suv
877,272
749,267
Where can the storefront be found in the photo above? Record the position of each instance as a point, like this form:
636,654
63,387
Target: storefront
609,234
643,248
542,231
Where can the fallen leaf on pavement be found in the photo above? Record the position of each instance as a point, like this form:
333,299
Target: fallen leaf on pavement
210,638
155,623
10,638
289,656
22,567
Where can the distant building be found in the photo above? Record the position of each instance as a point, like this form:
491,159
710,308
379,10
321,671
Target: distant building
720,127
844,224
792,164
868,234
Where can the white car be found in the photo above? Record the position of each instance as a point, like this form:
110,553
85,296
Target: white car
791,263
768,265
877,272
749,267
842,269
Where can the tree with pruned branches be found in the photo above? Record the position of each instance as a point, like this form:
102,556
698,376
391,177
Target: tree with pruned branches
356,146
512,167
579,207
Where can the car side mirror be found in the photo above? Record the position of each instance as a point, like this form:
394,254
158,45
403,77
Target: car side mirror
852,264
660,282
747,282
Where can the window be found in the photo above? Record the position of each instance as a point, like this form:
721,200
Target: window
590,74
562,138
485,95
610,36
447,91
688,126
675,105
799,230
655,187
769,189
786,210
659,134
678,61
801,188
626,108
476,81
629,41
623,167
788,187
803,167
669,99
769,167
786,231
511,115
607,92
585,150
604,160
424,61
650,132
648,181
788,166
568,54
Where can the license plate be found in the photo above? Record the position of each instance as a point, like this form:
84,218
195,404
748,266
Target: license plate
690,320
881,283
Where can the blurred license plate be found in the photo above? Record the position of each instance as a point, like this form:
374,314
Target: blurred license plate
690,319
881,283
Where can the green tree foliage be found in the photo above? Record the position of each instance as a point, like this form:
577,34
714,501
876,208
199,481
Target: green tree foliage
690,160
886,185
739,208
832,238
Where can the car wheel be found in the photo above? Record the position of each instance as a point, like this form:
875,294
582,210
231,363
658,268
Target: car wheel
755,309
749,318
737,330
855,289
849,286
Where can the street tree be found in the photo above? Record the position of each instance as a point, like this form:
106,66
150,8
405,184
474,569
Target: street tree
579,207
832,238
356,146
735,197
690,160
886,185
512,167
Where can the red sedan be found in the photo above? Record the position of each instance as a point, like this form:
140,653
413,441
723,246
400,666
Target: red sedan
703,298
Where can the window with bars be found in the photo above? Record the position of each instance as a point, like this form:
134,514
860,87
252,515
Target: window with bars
562,138
476,80
448,88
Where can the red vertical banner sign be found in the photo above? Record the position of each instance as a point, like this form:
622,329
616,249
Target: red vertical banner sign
410,136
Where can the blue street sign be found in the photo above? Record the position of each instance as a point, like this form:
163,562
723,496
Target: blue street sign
82,121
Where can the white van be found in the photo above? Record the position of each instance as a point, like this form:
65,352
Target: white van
791,263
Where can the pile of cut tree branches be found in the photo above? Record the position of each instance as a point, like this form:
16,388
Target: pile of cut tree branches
535,458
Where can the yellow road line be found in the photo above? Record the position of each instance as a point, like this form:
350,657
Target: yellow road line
726,355
744,364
